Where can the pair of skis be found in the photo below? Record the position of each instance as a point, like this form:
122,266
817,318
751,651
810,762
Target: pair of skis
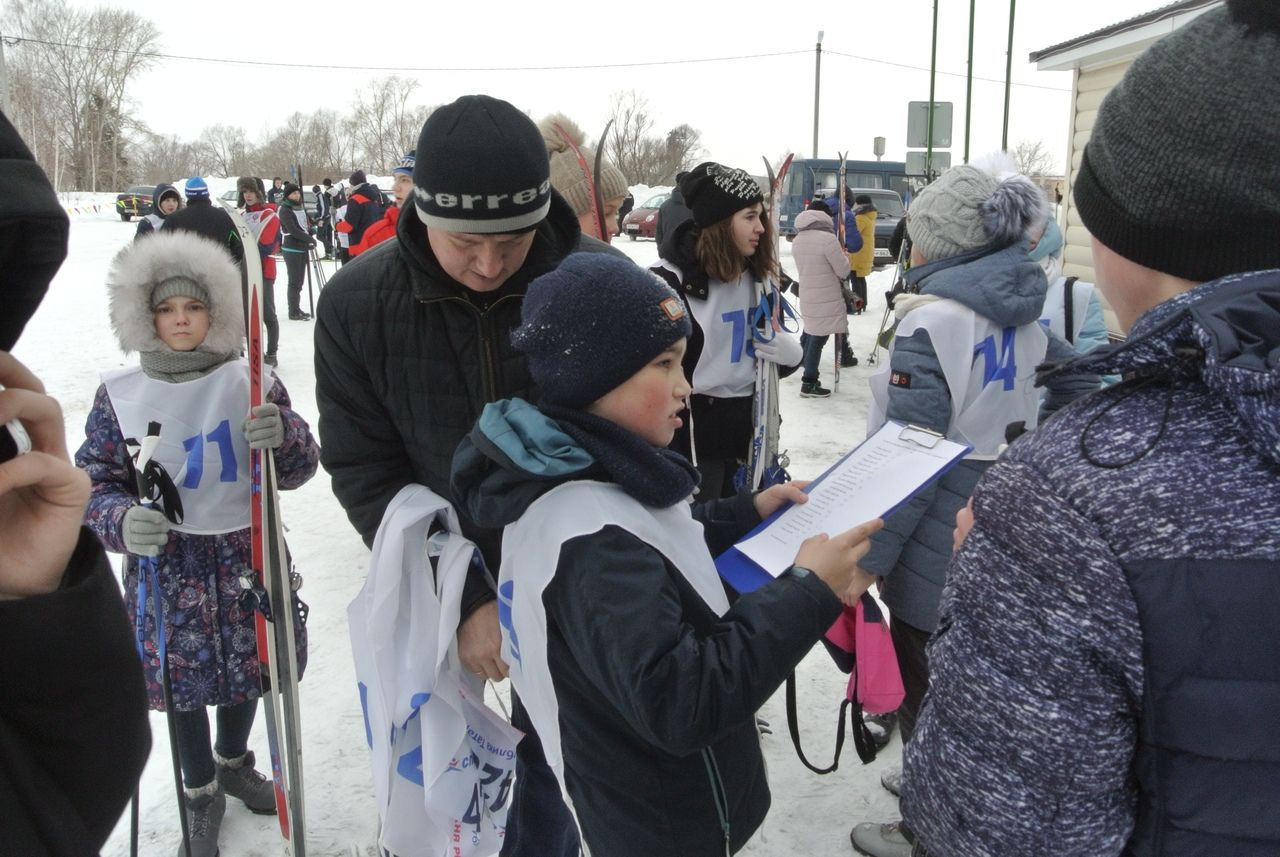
272,589
594,198
765,465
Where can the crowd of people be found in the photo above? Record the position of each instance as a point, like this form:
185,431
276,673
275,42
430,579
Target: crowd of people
1082,609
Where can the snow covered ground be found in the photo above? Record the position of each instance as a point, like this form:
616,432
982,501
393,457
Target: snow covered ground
69,342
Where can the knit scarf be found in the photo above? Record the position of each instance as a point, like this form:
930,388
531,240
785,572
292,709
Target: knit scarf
178,366
654,476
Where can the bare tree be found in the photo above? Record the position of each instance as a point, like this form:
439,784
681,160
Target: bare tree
223,151
79,64
385,125
631,127
166,158
1033,158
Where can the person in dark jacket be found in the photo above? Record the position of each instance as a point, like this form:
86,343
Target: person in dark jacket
74,735
1104,676
364,206
322,219
652,681
671,213
295,247
164,201
412,340
276,193
204,218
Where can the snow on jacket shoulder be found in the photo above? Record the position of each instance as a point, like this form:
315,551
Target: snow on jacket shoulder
822,266
1138,520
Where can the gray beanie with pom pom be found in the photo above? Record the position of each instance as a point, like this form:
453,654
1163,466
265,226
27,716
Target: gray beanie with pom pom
968,208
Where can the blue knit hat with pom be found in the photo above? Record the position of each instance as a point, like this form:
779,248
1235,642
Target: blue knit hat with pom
592,323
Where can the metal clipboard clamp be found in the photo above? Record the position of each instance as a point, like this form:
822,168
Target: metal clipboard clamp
921,436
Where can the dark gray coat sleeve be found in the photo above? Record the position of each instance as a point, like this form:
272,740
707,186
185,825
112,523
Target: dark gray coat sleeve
1064,387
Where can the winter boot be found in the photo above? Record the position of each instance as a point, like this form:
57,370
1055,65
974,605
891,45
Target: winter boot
298,315
881,727
205,808
847,358
270,359
882,840
811,390
892,781
239,779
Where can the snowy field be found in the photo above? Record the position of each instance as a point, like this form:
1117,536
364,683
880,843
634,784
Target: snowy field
69,342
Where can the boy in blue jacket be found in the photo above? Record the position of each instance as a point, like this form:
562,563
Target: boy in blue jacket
641,680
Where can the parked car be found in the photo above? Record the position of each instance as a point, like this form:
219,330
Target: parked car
642,220
134,202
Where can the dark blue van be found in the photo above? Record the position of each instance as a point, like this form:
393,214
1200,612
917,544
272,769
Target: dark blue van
818,177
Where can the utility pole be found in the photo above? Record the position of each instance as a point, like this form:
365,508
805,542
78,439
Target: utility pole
817,84
968,86
933,71
5,104
1008,72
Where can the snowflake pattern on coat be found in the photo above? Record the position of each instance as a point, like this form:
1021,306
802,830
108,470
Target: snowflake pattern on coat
209,636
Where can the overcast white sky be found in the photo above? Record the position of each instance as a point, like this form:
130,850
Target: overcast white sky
875,60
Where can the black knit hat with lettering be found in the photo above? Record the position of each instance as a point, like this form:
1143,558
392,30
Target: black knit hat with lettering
592,323
1182,171
482,168
715,192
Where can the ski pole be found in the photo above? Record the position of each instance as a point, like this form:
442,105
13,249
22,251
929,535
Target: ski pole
147,486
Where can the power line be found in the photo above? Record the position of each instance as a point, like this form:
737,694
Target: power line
329,67
438,69
947,73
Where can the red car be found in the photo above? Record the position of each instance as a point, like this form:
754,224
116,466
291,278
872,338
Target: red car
642,220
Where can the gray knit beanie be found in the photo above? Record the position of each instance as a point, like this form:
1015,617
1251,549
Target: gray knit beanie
968,208
567,175
1182,172
178,287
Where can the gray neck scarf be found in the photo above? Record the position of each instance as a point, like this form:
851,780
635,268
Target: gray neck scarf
178,366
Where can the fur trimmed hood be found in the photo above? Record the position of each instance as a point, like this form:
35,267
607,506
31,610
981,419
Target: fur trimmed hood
146,263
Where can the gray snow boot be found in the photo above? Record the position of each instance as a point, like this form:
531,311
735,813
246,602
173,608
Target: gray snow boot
881,840
205,808
239,780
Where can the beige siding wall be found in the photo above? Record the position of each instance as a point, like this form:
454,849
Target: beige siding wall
1089,88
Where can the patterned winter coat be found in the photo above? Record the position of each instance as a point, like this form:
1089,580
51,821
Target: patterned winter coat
1103,679
821,266
212,645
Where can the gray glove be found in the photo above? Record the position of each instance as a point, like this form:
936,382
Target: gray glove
784,349
146,530
264,428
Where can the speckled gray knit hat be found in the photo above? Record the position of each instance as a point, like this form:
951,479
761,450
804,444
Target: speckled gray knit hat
968,208
1182,172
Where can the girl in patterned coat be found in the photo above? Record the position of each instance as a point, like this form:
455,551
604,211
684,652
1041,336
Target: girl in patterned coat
175,298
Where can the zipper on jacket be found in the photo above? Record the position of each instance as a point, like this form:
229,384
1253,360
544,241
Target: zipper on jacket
717,794
488,355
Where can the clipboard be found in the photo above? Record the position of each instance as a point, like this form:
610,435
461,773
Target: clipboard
872,480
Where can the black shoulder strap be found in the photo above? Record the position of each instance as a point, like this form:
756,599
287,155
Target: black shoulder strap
861,735
1069,309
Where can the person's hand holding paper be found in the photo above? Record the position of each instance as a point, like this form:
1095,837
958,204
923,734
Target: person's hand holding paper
834,559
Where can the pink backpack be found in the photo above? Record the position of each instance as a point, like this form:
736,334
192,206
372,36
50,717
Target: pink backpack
859,642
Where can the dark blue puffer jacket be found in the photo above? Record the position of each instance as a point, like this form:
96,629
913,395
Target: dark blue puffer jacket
1104,676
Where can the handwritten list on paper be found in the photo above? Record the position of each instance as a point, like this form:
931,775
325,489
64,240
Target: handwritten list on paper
872,479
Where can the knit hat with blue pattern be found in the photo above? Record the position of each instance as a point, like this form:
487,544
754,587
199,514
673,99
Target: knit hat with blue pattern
196,188
592,323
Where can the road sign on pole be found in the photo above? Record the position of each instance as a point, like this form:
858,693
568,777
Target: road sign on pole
918,125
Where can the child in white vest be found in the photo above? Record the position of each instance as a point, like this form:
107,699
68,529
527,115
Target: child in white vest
175,297
642,680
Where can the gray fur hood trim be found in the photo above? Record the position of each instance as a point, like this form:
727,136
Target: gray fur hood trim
142,265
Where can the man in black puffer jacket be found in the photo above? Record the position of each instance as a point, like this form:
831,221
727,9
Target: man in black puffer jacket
413,340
